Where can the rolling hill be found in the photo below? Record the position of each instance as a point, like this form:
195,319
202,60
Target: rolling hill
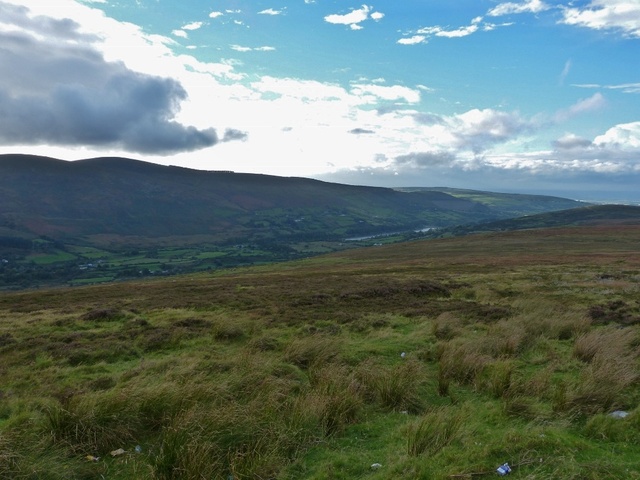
104,219
80,201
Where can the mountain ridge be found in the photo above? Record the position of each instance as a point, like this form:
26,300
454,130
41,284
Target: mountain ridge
77,199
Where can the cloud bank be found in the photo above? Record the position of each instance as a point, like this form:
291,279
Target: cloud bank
57,89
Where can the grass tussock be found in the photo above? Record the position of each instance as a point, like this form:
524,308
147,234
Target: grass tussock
397,387
434,431
312,350
462,361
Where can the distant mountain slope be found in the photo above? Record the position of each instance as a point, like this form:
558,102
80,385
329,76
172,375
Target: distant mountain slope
504,204
589,215
116,196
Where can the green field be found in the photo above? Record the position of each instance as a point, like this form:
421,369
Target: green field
424,360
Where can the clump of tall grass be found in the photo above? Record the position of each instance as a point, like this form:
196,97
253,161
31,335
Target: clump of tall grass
499,375
394,387
227,330
95,423
434,431
605,343
547,319
603,384
446,326
312,349
462,361
605,427
612,367
9,457
241,441
335,397
505,339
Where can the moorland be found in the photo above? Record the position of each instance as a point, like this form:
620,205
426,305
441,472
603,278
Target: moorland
440,358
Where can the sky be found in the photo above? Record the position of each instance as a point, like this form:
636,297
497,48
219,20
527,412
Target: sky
525,96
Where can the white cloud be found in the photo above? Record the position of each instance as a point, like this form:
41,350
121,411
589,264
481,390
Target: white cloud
215,14
565,72
622,15
240,48
180,33
354,18
441,32
270,11
192,26
623,87
424,88
593,103
508,8
395,92
414,40
624,136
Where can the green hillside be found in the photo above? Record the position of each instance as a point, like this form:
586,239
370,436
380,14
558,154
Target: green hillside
429,359
106,219
589,215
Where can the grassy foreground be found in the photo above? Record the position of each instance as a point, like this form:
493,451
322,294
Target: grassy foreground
433,359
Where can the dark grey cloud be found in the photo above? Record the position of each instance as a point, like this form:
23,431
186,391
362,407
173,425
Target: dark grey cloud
232,134
55,88
425,159
60,28
479,130
361,131
571,143
428,119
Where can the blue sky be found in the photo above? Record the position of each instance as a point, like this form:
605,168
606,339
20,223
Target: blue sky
525,96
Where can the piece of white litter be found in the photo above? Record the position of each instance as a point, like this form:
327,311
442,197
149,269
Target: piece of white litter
619,414
403,354
375,466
